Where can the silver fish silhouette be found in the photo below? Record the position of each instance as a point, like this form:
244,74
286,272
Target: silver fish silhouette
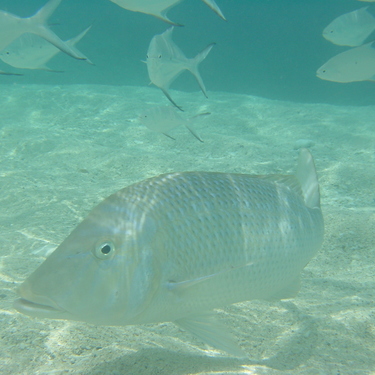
350,29
30,51
176,246
165,62
12,27
159,8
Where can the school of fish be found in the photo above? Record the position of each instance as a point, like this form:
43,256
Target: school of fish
353,29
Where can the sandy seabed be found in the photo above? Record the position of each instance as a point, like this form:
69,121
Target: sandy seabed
65,148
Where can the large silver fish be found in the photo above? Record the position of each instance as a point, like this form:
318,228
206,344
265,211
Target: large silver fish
176,246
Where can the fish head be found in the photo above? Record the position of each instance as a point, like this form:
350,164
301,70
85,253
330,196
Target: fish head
161,65
154,60
103,273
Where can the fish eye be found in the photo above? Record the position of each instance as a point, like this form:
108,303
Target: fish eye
104,250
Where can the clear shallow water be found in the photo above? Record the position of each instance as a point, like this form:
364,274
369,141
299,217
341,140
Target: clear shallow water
67,142
266,48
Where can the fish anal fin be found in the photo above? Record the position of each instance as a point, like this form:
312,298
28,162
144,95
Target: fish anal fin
206,327
166,93
290,291
169,136
192,131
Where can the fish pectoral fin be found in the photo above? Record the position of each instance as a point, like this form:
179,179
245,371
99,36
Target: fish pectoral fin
183,286
290,291
206,327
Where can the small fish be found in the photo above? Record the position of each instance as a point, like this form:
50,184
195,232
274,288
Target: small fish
161,119
12,27
30,51
355,64
350,29
159,8
176,246
165,62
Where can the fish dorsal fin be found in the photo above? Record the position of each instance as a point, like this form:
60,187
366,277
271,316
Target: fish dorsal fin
208,329
304,182
308,179
288,180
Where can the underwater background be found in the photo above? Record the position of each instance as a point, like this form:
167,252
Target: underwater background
268,48
68,140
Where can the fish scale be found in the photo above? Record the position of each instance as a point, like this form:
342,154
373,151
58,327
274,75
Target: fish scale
176,246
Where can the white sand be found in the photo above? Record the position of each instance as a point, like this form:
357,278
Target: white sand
63,149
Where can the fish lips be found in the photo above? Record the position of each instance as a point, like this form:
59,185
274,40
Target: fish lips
38,306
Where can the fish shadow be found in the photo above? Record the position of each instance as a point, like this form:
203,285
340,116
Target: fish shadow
298,347
293,352
163,361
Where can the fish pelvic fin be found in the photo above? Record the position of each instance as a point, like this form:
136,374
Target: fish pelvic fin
37,25
194,64
308,179
206,327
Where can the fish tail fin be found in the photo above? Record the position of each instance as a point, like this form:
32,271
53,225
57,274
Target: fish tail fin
215,8
37,24
72,42
194,64
308,179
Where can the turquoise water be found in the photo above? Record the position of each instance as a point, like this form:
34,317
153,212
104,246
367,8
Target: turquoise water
68,140
266,48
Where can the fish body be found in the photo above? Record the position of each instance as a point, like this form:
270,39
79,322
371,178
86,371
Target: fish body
12,27
29,51
355,64
176,246
160,8
350,29
165,62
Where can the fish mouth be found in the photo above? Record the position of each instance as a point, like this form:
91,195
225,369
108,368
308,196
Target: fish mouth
38,306
37,310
